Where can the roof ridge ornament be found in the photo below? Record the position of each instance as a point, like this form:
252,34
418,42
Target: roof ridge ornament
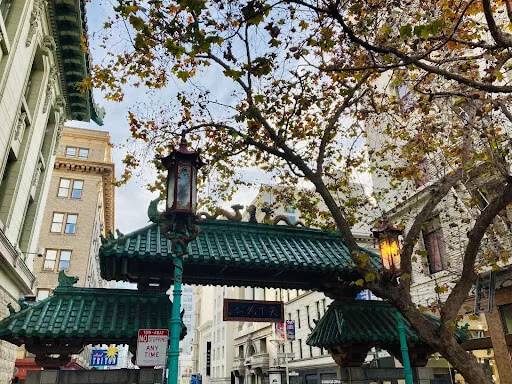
237,216
268,219
66,281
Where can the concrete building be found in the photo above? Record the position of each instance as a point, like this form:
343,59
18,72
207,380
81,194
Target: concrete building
37,95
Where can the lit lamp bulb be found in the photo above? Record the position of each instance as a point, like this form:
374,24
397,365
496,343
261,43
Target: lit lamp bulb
389,246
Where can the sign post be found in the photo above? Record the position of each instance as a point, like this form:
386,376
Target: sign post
152,347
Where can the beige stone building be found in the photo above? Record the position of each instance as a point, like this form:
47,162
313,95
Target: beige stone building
79,208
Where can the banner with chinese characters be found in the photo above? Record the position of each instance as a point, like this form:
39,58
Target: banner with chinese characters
253,310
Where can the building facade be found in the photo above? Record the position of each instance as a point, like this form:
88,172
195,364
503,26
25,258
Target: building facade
37,95
439,252
79,209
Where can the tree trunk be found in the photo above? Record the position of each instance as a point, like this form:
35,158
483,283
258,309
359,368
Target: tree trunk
464,362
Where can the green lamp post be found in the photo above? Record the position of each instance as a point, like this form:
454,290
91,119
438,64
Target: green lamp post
389,246
180,227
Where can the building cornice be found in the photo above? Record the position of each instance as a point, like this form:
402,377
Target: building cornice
107,172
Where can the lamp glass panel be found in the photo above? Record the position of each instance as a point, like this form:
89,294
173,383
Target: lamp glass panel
390,251
194,189
183,194
170,188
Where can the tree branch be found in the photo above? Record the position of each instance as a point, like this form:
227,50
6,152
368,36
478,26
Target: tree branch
438,192
504,40
475,235
347,102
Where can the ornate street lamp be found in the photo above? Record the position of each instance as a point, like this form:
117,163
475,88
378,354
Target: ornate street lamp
182,165
179,226
389,246
390,253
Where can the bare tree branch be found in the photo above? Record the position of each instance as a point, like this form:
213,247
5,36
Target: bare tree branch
475,235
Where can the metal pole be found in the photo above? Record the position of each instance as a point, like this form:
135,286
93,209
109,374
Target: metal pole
286,365
404,349
175,322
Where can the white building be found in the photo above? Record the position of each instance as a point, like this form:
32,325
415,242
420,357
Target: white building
40,62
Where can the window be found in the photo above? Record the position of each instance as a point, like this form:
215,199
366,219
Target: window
58,219
298,318
83,153
55,258
49,260
300,348
307,314
42,293
70,152
506,318
318,310
58,222
64,188
70,223
65,257
5,8
76,192
434,244
29,86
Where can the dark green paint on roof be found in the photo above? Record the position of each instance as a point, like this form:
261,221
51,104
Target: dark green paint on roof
89,315
235,253
361,321
68,22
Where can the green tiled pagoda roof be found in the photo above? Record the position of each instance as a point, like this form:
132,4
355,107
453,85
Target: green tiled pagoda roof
68,22
89,315
361,321
236,253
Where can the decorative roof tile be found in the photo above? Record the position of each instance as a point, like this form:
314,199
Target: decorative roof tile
362,321
89,314
227,248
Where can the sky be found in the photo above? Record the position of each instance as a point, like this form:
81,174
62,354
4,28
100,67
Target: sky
132,199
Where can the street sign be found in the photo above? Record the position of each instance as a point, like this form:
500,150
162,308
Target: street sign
152,347
290,330
253,310
104,357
